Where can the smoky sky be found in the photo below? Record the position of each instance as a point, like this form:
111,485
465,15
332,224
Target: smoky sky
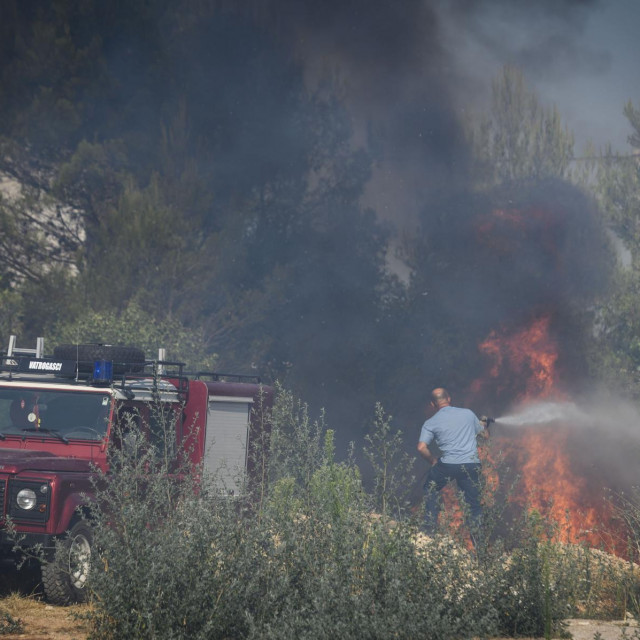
394,72
405,83
395,66
579,56
542,38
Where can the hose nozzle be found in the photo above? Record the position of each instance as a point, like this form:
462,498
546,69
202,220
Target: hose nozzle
487,420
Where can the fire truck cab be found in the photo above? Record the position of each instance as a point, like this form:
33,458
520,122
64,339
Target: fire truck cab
59,416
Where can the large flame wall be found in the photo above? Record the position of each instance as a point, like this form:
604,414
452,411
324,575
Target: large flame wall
546,457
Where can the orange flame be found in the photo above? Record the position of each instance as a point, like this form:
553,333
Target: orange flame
548,484
528,352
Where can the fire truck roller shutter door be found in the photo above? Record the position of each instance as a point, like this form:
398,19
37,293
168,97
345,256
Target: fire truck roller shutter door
225,455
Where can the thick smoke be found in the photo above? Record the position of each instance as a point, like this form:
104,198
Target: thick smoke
394,66
485,262
409,75
395,79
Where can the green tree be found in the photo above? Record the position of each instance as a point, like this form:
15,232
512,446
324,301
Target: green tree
136,327
519,138
616,351
192,175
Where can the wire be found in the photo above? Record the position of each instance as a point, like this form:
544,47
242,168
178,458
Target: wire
634,156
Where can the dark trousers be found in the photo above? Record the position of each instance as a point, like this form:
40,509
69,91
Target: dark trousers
467,477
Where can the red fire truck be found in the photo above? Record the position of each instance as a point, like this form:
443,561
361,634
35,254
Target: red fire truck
59,416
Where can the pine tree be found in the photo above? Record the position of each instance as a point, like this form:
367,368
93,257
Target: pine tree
519,138
616,352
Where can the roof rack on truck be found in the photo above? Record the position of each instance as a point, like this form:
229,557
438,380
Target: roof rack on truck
94,364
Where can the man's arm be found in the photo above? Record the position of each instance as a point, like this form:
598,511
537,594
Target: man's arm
424,451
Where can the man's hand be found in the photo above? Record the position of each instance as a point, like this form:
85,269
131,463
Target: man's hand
486,421
423,450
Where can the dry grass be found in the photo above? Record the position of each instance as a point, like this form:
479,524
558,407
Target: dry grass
606,587
41,621
609,585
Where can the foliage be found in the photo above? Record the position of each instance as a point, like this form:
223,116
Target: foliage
234,214
295,446
628,509
133,326
616,353
9,624
311,561
533,589
519,138
9,323
391,464
300,568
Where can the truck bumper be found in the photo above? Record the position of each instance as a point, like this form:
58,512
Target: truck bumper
27,541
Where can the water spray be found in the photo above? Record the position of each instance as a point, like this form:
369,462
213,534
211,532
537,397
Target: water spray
540,413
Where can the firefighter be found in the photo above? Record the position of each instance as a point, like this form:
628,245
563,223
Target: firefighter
454,430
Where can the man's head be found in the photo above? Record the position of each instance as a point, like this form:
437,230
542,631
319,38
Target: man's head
440,398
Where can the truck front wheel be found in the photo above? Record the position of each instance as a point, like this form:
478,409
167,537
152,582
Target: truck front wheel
64,578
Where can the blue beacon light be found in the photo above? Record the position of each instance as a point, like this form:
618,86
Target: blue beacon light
103,371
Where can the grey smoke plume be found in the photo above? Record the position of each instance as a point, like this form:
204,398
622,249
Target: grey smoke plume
408,73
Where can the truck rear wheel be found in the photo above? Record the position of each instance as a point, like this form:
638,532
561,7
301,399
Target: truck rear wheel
65,576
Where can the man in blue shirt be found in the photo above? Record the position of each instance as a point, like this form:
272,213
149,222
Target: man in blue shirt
454,430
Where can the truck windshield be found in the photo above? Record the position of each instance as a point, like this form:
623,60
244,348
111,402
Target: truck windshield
52,413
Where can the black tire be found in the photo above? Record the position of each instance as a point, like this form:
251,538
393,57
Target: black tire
64,577
125,359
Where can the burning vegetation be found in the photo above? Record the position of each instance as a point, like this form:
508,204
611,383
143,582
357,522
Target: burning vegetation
545,455
531,356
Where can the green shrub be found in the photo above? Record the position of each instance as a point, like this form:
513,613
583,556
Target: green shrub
10,625
391,465
306,554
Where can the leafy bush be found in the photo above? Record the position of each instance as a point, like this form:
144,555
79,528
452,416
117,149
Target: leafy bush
391,465
304,554
136,327
9,624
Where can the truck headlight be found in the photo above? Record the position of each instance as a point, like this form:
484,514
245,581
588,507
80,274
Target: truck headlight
26,499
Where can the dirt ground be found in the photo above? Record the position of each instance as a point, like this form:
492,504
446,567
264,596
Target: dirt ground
41,621
21,598
44,622
610,630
